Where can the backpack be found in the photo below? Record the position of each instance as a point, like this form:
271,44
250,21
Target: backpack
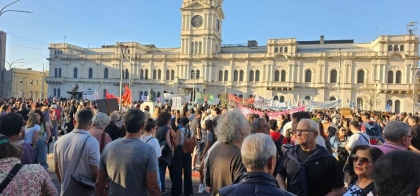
366,190
189,143
373,131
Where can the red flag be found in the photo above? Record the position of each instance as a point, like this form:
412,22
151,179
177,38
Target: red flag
111,96
126,98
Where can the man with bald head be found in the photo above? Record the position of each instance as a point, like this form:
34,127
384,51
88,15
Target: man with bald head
308,167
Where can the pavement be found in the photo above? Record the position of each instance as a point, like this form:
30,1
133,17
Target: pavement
168,183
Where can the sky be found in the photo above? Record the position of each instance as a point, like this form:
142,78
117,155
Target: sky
92,23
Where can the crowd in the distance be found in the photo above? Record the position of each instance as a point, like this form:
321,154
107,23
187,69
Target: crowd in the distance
130,152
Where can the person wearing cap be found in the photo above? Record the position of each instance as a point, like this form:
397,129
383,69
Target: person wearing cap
309,168
30,179
397,137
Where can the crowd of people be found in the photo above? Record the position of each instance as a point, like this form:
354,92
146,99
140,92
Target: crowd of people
130,152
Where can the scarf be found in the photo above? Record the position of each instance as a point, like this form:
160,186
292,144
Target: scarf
299,179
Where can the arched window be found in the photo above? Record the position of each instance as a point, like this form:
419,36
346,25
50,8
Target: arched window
397,106
167,74
241,96
226,76
127,74
332,99
402,48
146,74
333,76
257,75
389,105
159,74
58,93
307,98
158,94
90,73
31,95
276,50
220,75
235,75
141,95
251,75
55,92
281,99
396,48
75,73
59,72
173,75
141,74
390,77
154,74
241,75
360,76
276,97
398,78
389,47
286,49
55,72
145,93
283,76
277,75
106,73
308,75
281,49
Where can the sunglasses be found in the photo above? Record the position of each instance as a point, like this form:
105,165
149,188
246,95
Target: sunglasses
363,160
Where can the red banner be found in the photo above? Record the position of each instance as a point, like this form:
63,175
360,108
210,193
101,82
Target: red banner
126,97
239,100
246,111
111,96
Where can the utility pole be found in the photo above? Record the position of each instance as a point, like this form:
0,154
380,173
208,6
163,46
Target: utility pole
42,82
339,78
122,50
415,72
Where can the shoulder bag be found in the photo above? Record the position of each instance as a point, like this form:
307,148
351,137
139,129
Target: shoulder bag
189,143
80,184
10,177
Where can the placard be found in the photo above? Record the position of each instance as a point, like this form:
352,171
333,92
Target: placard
107,105
177,103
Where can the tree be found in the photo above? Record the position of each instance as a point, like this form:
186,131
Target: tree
370,96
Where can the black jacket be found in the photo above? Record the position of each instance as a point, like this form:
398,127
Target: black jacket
253,183
113,131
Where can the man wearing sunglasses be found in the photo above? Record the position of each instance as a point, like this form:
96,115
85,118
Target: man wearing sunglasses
397,137
309,168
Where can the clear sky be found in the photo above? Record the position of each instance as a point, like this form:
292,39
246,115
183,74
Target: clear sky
92,23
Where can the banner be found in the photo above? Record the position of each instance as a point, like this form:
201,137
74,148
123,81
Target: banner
214,102
233,98
168,96
200,98
322,105
246,111
176,103
126,98
90,94
186,98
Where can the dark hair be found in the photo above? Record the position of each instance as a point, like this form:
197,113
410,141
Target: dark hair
11,124
84,118
374,152
134,120
366,114
184,121
10,150
210,127
146,108
4,108
355,124
37,111
217,110
397,173
150,124
163,119
273,124
301,115
415,119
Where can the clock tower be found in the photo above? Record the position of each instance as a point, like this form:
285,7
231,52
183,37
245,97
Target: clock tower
201,29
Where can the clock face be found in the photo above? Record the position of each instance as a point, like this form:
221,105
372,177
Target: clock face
197,21
217,25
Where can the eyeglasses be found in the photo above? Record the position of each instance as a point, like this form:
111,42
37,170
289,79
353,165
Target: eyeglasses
302,131
410,136
363,160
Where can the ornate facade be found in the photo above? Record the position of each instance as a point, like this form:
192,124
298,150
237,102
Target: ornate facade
287,69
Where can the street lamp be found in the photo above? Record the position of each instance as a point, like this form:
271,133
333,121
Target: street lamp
376,94
194,76
414,70
15,61
2,11
339,77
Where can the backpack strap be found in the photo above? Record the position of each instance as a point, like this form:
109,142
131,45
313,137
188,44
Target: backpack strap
368,189
364,137
149,139
10,177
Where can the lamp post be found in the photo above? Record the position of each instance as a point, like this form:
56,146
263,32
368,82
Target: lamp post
339,77
414,70
15,61
193,76
123,50
376,94
2,11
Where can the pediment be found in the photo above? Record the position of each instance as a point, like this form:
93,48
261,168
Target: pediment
196,5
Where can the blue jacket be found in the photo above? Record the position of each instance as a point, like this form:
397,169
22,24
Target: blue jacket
255,184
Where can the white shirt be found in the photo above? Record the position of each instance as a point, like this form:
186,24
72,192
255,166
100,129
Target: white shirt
29,133
153,142
358,139
287,126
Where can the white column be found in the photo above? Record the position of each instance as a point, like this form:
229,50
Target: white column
210,72
205,72
383,73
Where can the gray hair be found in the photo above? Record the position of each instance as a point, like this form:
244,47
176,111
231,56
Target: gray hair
256,124
312,124
100,120
395,130
114,117
256,150
231,126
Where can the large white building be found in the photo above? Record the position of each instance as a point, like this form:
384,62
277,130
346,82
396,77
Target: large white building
285,68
